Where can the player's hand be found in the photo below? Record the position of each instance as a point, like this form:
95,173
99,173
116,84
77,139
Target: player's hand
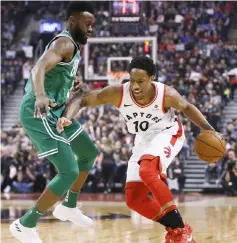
42,104
78,84
61,123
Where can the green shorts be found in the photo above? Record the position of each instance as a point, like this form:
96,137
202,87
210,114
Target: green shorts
42,132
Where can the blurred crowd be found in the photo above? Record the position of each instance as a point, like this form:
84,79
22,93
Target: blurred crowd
13,53
194,56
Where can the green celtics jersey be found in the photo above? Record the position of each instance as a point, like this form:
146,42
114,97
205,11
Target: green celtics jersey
59,80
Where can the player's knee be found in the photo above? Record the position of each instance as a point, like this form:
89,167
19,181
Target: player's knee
87,163
130,198
74,174
70,176
147,172
144,171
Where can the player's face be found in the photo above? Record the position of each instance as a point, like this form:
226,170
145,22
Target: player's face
140,83
82,26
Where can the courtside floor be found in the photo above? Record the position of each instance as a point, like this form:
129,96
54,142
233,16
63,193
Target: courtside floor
213,218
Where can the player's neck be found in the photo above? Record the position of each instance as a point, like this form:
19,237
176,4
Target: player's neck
150,96
70,32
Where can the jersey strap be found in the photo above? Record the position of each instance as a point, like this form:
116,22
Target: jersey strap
161,97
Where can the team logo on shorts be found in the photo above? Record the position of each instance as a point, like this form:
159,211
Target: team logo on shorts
167,151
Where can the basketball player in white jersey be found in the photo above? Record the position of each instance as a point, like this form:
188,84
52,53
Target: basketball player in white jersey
148,109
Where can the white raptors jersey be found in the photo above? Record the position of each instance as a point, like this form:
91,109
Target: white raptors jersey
146,119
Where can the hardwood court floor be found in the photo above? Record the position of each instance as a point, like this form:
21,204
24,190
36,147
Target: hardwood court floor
214,220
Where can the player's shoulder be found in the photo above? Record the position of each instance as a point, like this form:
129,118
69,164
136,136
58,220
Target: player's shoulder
170,91
116,88
63,44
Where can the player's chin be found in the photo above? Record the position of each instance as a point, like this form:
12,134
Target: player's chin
85,41
138,96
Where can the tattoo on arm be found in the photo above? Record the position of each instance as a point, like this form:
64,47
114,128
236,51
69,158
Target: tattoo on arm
176,101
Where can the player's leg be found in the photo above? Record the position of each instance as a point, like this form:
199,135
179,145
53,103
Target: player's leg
156,159
86,153
68,171
150,169
137,193
48,143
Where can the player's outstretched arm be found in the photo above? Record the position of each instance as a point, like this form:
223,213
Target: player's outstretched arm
60,50
83,98
109,95
174,100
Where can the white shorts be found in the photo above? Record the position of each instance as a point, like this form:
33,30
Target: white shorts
165,144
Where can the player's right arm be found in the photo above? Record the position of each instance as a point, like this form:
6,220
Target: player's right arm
109,95
61,49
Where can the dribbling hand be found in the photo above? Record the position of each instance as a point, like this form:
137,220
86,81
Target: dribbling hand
42,104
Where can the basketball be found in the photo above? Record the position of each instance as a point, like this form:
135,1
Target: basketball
210,146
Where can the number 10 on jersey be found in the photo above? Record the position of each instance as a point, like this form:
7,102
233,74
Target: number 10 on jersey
143,126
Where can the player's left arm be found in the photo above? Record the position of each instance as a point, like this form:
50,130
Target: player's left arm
174,100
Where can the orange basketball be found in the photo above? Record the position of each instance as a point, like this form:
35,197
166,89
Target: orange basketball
210,146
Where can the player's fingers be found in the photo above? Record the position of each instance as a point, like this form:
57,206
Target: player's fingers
77,86
36,112
52,104
59,125
59,129
66,122
43,111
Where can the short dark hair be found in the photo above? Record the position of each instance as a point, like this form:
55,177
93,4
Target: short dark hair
144,63
78,7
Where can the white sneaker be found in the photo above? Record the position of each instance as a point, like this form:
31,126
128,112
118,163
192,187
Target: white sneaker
74,215
24,234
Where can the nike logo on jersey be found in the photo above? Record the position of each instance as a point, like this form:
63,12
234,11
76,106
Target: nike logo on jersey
127,105
156,108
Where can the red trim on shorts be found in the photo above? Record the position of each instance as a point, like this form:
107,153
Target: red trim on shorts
177,135
121,97
147,157
163,101
151,157
145,105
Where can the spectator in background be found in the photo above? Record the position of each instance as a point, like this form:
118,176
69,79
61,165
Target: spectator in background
108,165
211,173
176,171
229,182
233,84
231,158
41,168
8,169
26,69
23,183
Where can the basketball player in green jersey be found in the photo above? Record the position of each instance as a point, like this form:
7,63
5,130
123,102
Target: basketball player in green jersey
47,90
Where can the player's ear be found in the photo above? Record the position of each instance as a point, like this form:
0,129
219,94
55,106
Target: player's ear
72,20
152,78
